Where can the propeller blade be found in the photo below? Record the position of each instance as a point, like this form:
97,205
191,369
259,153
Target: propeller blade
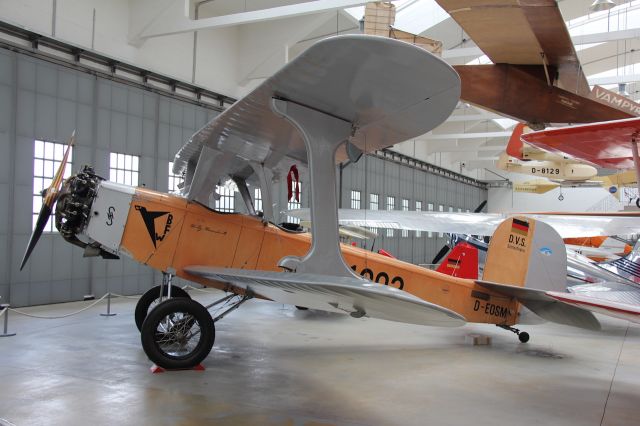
49,199
443,251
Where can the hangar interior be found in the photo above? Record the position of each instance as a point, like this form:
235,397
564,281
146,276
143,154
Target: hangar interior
136,79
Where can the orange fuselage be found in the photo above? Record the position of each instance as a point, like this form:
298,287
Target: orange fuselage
185,233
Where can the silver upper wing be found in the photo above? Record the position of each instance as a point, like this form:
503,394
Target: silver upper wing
355,296
567,225
389,90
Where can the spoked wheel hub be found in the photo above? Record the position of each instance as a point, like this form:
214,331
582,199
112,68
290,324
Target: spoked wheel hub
178,333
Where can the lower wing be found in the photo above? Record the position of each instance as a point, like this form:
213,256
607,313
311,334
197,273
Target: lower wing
355,296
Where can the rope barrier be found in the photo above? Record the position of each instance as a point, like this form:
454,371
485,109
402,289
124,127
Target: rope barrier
59,316
17,311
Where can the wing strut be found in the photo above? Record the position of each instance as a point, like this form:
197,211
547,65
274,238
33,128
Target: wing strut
322,134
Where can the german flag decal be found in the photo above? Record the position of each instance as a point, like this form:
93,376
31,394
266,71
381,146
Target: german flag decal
520,227
453,263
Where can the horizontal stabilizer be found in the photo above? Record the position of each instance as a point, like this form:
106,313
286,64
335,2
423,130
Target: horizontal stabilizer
544,305
614,309
355,296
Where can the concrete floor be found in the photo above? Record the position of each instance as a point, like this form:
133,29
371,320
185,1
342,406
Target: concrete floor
274,365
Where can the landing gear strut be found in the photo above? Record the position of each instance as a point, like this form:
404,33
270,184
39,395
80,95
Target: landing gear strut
156,295
523,336
179,332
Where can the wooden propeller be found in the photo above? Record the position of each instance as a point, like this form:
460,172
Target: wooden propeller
49,200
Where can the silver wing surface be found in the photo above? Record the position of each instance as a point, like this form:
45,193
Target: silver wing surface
568,225
355,296
611,308
389,90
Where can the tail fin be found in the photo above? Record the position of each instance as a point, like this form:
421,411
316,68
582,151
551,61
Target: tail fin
462,262
514,147
526,253
628,266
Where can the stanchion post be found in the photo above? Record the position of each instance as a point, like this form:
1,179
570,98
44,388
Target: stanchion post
5,308
109,313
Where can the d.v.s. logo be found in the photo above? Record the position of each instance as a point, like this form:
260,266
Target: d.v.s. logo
149,218
518,234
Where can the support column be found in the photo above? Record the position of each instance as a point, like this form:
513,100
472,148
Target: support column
322,135
636,163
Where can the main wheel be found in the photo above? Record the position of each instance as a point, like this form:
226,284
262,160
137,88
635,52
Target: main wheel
178,333
638,202
151,298
523,336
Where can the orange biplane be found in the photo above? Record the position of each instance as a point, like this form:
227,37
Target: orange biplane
334,101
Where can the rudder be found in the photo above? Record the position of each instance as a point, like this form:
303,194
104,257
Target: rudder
526,253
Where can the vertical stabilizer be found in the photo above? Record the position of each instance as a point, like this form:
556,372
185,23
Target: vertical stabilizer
462,262
515,145
526,253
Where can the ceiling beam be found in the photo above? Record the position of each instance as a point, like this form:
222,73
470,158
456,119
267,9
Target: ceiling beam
473,117
447,136
183,24
463,52
614,79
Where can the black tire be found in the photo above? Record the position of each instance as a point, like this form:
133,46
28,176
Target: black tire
302,308
523,336
163,334
638,202
151,296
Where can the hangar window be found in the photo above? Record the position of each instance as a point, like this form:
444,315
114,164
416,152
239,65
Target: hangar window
174,180
405,207
430,208
257,199
418,209
47,157
292,205
123,168
391,204
226,201
440,209
355,199
373,201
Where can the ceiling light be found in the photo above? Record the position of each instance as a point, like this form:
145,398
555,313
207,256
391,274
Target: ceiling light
600,5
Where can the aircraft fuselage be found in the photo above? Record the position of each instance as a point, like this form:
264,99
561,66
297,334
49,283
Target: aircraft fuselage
169,233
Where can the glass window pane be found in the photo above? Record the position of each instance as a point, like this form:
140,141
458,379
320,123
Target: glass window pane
38,167
127,162
38,151
48,150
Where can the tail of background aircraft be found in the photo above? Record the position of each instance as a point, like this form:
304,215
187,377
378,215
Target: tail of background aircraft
462,262
514,147
628,266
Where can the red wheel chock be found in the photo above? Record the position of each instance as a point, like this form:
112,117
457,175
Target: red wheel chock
155,369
